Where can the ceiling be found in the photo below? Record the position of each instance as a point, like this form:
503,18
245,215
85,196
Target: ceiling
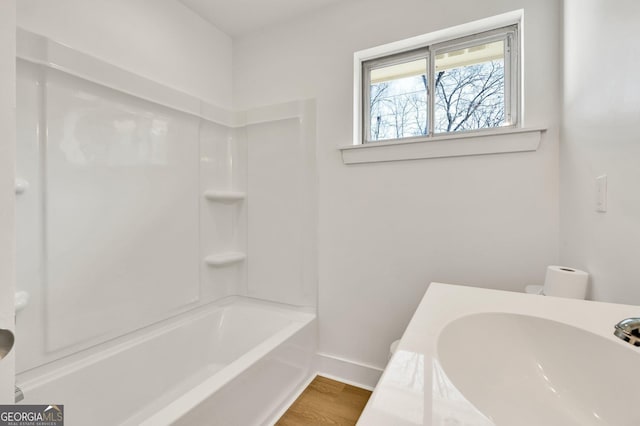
239,17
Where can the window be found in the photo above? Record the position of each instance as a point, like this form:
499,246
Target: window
468,84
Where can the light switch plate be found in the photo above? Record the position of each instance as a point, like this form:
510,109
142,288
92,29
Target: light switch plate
601,193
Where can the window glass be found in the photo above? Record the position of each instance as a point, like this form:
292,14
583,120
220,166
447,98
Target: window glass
470,88
398,101
461,85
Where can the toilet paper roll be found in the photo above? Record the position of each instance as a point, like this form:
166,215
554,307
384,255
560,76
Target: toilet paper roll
562,281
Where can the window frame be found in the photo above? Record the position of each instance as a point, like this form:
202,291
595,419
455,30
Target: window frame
509,33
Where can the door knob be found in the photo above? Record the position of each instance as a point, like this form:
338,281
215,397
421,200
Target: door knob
6,342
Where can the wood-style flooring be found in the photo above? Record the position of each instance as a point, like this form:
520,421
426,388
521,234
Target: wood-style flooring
326,402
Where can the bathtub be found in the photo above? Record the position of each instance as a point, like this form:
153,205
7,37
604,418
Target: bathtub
236,362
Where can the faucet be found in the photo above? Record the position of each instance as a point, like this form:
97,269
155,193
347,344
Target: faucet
629,331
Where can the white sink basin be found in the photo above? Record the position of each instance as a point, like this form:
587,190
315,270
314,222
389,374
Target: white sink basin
521,370
477,357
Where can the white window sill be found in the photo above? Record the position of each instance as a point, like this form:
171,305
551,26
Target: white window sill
493,142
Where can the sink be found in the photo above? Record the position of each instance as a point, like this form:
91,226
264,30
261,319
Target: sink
530,371
478,357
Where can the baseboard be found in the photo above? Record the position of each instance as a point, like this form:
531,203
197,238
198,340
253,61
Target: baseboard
348,371
336,368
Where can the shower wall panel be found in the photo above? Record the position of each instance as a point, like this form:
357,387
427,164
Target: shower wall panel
108,224
137,200
121,210
282,219
30,130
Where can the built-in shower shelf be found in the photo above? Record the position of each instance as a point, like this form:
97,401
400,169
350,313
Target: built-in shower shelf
224,196
222,259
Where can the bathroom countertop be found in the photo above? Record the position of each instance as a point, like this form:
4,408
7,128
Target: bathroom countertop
410,391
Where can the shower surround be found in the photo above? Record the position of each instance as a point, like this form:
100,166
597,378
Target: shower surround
143,207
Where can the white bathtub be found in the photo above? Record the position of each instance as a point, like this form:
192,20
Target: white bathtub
233,363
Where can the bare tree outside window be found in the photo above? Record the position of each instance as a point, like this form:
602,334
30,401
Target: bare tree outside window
398,108
470,98
469,90
467,98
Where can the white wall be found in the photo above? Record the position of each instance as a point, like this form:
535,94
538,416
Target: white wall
600,136
386,230
158,39
7,196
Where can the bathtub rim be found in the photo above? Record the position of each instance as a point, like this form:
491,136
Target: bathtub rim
201,392
46,373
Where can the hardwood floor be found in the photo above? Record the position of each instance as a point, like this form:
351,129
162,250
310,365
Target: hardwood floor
326,402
